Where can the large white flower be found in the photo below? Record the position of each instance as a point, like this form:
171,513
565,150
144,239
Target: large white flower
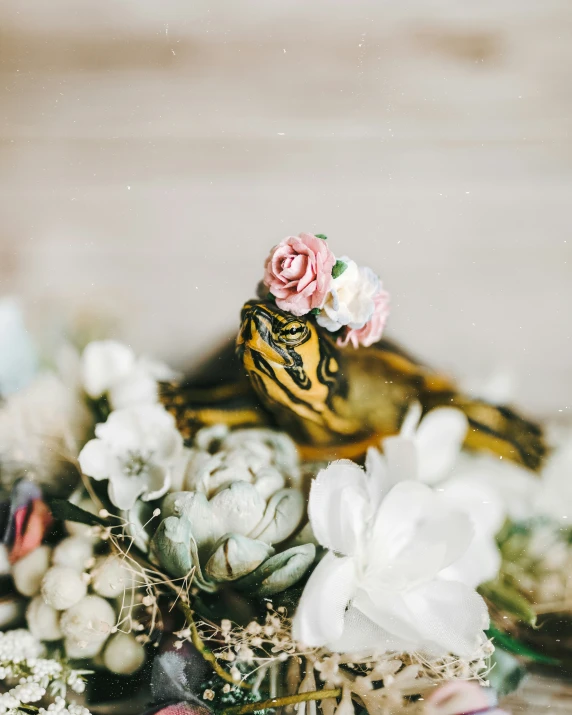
437,440
351,299
138,450
380,587
111,368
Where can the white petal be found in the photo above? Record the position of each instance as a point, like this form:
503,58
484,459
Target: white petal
480,501
158,482
122,430
402,458
319,618
137,388
377,477
339,506
398,516
123,491
389,612
156,369
361,635
96,460
449,615
439,439
479,564
411,420
439,540
103,364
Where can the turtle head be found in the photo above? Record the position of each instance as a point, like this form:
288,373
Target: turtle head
294,365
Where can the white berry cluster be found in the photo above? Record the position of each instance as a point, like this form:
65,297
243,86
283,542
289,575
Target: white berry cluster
28,678
77,597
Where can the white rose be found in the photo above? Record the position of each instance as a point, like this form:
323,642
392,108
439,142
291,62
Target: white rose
351,300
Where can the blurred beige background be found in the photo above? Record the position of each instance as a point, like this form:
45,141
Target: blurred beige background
152,151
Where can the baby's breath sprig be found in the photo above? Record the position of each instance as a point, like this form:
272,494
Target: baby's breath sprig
28,677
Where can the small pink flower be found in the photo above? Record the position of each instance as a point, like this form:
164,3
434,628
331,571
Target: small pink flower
462,697
298,273
373,329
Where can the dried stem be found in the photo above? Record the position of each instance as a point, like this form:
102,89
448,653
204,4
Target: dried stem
207,654
280,702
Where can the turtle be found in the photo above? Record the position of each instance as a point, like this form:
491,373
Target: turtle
335,402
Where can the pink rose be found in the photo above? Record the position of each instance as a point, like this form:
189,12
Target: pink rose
298,273
373,329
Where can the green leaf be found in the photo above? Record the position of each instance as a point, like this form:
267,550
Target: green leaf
338,269
509,600
321,235
271,298
512,645
66,511
315,311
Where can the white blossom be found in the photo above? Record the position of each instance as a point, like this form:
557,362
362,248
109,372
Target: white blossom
381,585
138,450
430,449
351,299
28,677
112,369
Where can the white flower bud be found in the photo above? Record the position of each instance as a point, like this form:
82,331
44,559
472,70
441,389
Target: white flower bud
11,612
43,620
29,571
75,552
123,654
81,649
89,621
4,561
62,587
111,577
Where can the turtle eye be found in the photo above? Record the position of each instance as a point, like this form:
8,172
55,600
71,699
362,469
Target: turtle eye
294,332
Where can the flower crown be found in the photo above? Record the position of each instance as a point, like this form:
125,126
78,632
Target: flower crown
303,276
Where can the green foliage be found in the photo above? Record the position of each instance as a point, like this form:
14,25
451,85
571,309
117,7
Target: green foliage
321,235
66,511
516,647
509,600
338,269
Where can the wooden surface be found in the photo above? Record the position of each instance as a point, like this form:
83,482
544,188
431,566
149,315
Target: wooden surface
539,695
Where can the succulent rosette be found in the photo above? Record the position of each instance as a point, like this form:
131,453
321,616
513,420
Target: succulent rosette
238,536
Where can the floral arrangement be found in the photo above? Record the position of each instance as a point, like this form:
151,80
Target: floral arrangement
303,276
223,575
